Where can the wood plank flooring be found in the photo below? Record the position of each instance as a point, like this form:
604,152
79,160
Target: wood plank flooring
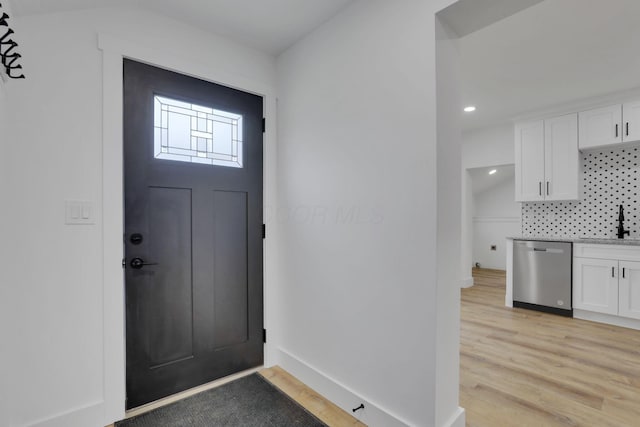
313,402
524,368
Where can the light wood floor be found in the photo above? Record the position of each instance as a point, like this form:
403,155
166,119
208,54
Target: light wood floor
524,368
313,402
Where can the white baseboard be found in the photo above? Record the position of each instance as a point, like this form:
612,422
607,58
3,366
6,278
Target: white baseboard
467,283
609,319
91,414
458,419
372,414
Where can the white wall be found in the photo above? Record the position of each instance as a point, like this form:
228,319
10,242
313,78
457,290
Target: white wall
5,137
367,306
488,146
496,217
52,277
466,240
448,224
357,134
497,201
6,319
480,148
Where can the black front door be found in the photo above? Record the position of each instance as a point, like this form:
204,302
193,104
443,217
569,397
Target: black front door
193,231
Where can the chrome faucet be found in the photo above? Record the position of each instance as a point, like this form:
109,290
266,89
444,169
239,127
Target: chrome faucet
621,230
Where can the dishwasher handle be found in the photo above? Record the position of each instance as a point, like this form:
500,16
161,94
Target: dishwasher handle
547,250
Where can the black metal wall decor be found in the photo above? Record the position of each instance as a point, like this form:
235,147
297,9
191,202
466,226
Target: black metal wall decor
8,55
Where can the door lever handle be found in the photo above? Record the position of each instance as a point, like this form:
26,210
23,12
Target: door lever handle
138,263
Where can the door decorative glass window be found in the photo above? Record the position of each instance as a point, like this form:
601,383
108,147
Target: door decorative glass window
193,133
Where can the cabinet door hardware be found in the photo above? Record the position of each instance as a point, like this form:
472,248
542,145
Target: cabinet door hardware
616,131
547,188
540,188
627,130
623,268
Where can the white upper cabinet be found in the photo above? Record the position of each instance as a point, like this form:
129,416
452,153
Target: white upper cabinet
600,127
529,151
547,162
562,162
631,121
609,125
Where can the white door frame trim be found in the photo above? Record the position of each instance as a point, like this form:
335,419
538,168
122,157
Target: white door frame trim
113,51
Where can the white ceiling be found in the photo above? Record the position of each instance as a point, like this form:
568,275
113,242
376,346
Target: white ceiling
555,52
268,25
481,180
552,53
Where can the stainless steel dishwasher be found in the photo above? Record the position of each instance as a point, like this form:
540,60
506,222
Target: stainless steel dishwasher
542,275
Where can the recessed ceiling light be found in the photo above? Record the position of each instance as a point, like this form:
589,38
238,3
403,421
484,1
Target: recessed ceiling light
469,109
492,171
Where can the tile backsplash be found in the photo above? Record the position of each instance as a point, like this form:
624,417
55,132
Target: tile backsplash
609,179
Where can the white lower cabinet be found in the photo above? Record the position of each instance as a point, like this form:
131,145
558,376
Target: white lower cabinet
595,285
629,289
608,283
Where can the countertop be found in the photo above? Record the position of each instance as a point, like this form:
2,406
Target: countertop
627,241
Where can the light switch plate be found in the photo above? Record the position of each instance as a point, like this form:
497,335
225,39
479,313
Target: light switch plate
79,212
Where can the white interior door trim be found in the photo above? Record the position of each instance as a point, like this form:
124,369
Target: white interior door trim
114,50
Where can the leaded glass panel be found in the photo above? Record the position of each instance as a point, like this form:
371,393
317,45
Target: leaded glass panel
193,133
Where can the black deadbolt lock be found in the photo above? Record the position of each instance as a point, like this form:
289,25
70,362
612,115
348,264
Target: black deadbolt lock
136,238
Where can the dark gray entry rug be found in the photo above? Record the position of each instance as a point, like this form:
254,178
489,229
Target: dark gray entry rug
248,402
